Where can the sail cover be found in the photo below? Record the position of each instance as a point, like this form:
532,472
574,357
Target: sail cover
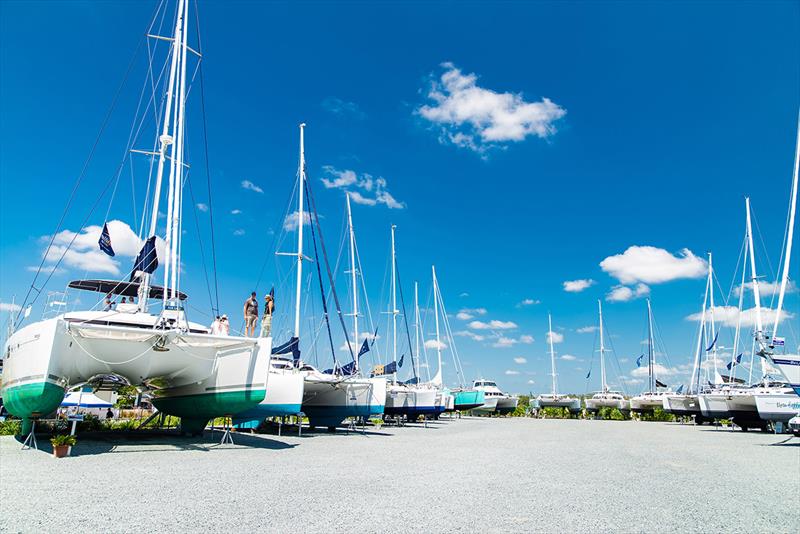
147,260
290,347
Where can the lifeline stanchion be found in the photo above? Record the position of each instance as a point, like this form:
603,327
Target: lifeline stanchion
30,441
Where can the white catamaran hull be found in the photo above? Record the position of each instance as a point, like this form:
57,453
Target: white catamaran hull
411,401
550,401
489,406
507,404
682,405
598,402
284,397
647,402
777,407
328,399
714,405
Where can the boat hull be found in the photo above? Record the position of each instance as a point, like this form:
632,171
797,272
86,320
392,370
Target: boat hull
284,397
507,404
410,401
573,405
489,406
682,405
237,383
596,404
714,406
777,408
647,403
327,401
467,399
789,365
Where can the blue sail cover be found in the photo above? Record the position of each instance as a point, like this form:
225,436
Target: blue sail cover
290,347
147,259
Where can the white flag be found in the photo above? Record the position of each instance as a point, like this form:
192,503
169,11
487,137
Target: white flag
27,312
778,341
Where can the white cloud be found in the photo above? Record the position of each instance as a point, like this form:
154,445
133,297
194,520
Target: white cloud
625,293
510,372
728,315
494,324
525,338
85,253
576,286
291,222
464,294
477,118
528,302
236,212
433,344
659,370
465,314
202,207
767,289
520,360
364,189
587,329
531,382
651,265
555,337
569,357
238,232
9,307
504,342
472,335
250,186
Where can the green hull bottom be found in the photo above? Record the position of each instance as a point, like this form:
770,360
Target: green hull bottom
32,400
196,410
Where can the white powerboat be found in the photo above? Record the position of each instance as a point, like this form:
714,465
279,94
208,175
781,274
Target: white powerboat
504,404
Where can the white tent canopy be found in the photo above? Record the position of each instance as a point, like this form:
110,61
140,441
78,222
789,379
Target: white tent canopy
84,399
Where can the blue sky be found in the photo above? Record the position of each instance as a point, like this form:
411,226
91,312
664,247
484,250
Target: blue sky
520,146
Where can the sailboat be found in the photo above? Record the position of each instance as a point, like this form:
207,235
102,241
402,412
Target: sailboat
328,397
554,399
605,398
410,399
444,400
652,398
688,404
195,375
788,364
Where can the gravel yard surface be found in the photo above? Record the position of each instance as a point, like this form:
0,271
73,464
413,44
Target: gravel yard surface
468,475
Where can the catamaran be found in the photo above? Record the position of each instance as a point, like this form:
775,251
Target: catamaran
554,399
195,375
605,398
654,397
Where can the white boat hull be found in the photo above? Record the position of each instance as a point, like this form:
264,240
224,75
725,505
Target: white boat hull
777,407
714,405
410,401
328,400
682,405
489,406
789,365
559,401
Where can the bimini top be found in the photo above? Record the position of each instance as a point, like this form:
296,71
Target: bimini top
116,287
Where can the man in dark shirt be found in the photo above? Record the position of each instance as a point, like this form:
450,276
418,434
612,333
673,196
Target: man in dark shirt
250,315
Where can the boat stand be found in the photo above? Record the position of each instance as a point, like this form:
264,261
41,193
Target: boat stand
30,441
227,436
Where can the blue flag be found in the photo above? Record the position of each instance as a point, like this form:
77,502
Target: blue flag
639,361
713,342
390,368
680,388
588,375
734,363
400,363
364,348
147,259
105,241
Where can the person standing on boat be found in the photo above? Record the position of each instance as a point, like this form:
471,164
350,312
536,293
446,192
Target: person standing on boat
250,315
108,303
215,326
266,319
224,326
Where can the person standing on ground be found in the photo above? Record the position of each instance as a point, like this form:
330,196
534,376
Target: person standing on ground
250,315
266,319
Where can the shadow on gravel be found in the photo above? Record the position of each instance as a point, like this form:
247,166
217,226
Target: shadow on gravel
164,441
788,442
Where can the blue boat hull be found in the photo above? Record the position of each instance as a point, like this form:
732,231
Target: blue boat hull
254,417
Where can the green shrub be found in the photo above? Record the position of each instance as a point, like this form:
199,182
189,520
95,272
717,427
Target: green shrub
10,427
63,439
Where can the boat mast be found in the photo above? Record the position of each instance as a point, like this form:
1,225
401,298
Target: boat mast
737,332
602,350
353,274
650,351
416,328
552,352
394,308
714,334
700,336
165,141
759,333
300,221
789,234
438,378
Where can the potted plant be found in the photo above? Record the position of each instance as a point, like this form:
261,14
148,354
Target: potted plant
61,444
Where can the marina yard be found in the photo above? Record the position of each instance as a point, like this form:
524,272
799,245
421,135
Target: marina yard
467,475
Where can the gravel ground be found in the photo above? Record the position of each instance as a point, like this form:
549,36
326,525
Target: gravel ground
468,475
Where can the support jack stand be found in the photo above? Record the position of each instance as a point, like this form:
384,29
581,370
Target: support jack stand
30,441
227,437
